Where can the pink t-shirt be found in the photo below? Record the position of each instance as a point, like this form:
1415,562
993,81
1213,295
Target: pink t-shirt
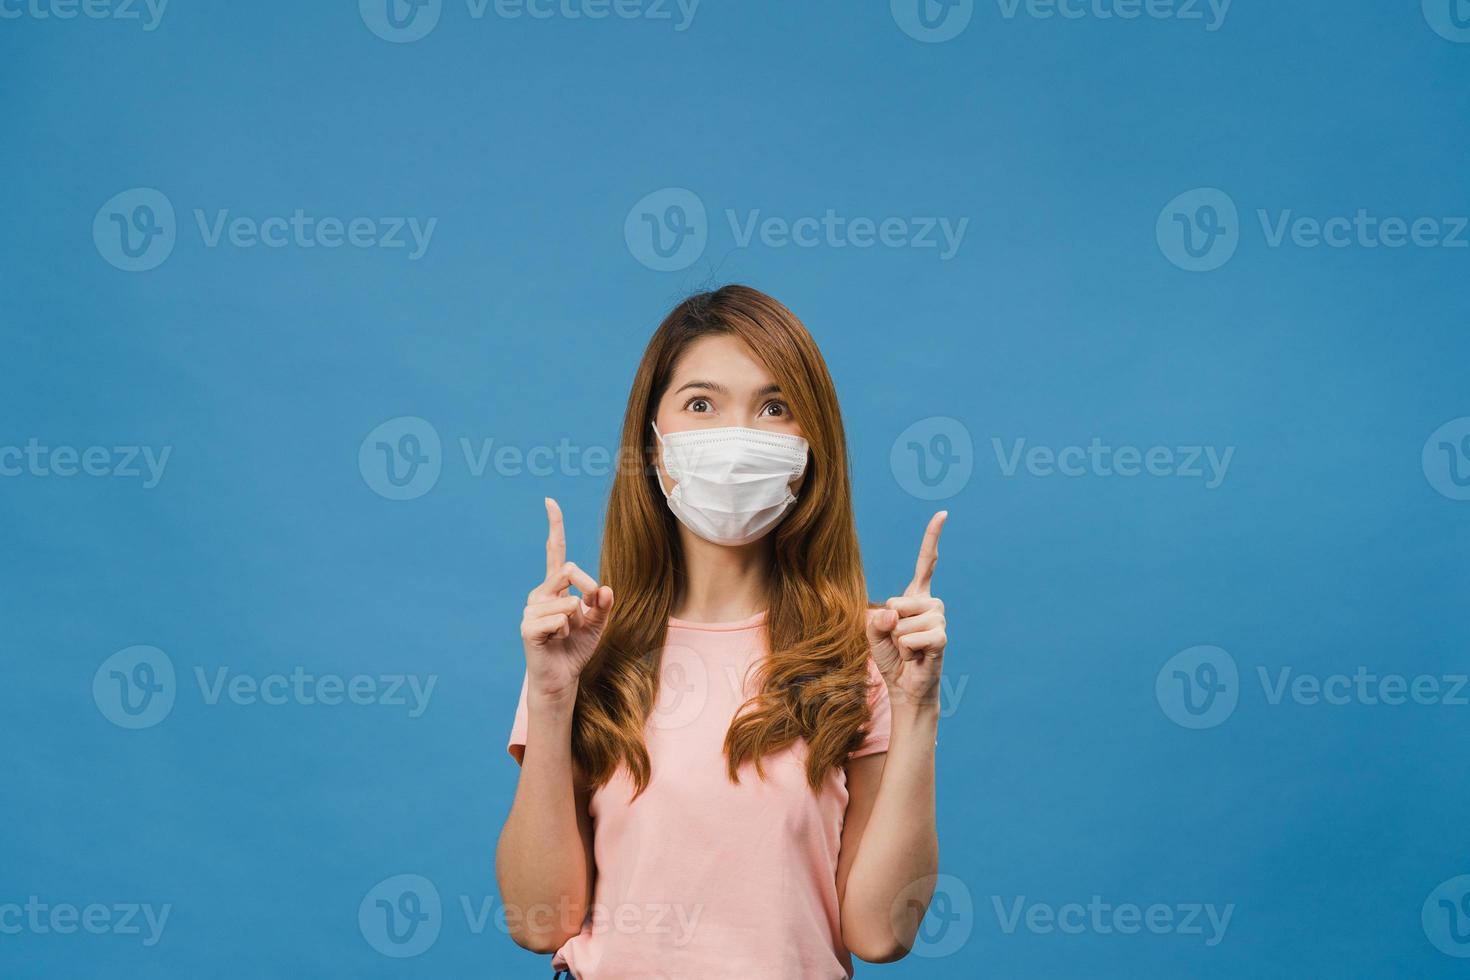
701,877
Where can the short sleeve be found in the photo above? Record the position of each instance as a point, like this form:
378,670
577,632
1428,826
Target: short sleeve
517,744
880,724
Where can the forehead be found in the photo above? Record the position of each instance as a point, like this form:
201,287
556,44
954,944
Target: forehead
720,358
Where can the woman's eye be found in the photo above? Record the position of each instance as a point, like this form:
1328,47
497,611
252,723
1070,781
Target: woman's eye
777,410
698,405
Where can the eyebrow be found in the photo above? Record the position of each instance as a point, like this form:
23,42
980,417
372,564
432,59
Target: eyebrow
770,389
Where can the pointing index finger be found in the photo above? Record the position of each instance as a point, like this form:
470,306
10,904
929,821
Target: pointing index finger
556,538
928,556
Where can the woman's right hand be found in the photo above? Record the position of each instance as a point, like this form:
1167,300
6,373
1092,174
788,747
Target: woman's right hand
561,630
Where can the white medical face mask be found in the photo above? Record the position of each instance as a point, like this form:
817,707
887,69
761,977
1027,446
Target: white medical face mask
731,484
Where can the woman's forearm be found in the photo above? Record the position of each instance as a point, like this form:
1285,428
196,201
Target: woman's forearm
542,862
891,880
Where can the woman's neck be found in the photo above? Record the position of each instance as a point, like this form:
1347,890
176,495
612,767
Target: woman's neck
722,583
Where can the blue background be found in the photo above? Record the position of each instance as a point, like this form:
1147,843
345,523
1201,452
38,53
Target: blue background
1061,319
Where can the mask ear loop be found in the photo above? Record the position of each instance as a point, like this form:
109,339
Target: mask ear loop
657,478
799,468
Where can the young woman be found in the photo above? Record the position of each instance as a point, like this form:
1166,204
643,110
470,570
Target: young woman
727,757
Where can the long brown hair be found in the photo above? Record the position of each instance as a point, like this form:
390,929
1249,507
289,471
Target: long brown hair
813,684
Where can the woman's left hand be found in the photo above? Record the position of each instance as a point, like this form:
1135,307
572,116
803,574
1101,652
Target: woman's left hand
906,634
